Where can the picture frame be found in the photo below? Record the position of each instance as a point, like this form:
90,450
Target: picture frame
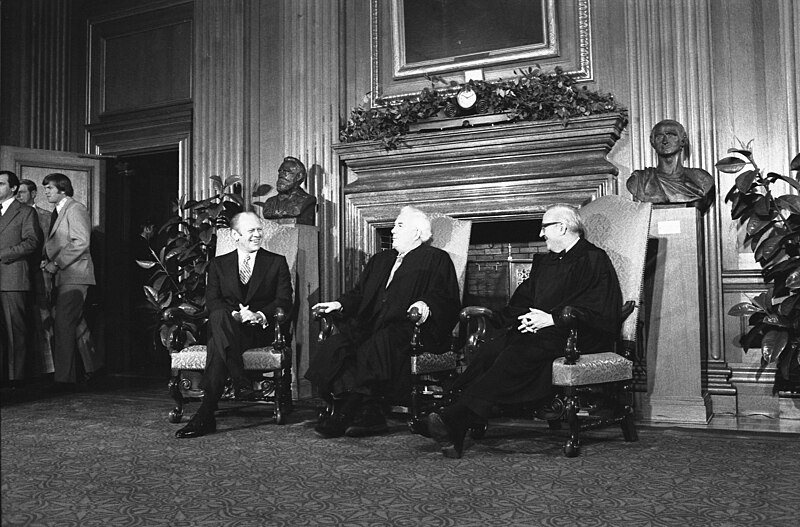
453,51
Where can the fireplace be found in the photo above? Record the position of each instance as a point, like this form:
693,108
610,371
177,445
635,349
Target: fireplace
498,176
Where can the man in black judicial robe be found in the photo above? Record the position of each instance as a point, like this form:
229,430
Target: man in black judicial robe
370,357
244,289
516,365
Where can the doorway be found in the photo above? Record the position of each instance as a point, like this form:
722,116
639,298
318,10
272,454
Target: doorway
142,190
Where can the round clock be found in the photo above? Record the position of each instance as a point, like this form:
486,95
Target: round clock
466,98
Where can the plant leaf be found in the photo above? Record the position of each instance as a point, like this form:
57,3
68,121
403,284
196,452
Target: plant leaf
795,163
216,182
232,180
744,308
768,248
773,343
774,177
731,164
789,202
167,301
145,265
151,295
745,180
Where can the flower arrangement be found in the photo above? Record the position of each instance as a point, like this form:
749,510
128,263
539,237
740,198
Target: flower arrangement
532,96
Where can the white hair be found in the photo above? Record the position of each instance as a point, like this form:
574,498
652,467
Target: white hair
419,220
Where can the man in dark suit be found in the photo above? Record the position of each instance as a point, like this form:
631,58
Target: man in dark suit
370,360
68,266
20,236
244,289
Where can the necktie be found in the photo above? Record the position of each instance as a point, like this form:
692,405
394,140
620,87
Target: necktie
245,271
1,209
558,256
396,265
53,218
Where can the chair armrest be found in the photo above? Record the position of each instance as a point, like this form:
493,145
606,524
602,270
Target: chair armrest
326,323
476,338
280,341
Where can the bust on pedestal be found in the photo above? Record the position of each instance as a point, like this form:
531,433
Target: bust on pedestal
292,204
674,280
670,181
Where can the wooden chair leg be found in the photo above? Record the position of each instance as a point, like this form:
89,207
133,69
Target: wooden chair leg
278,396
572,446
628,426
176,414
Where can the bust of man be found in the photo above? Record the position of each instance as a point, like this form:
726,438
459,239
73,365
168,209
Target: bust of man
292,204
670,181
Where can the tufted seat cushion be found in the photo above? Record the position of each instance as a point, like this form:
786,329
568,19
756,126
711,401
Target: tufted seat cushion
594,368
194,358
432,362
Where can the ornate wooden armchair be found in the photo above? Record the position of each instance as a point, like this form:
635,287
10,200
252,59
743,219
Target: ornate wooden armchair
269,367
596,390
429,367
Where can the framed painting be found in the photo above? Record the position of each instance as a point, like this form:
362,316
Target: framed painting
464,39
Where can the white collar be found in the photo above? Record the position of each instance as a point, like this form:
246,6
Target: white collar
61,204
7,203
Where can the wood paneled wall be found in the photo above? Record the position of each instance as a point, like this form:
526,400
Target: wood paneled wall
36,109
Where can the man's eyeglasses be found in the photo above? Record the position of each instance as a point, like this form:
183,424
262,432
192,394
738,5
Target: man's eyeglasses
546,225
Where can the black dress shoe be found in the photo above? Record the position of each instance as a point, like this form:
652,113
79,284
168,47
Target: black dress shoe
332,426
197,426
367,423
451,441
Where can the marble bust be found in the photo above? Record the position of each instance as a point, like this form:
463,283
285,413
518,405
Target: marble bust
670,181
291,204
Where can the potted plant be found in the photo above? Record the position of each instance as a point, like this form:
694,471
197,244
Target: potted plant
772,225
181,250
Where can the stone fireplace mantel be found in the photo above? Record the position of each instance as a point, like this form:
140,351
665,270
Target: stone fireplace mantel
491,173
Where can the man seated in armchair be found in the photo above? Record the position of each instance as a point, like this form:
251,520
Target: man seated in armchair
370,356
574,279
244,289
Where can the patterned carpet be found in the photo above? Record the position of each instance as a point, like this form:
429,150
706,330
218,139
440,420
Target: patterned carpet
110,459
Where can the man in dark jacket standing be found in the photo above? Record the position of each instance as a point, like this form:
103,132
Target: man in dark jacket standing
370,358
516,365
20,237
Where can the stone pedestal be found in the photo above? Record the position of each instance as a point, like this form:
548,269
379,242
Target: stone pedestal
306,295
675,332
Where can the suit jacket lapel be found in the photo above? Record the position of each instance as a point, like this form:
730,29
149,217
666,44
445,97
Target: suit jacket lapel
67,205
13,210
257,276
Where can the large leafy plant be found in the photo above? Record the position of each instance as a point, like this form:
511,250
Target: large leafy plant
180,253
772,231
533,96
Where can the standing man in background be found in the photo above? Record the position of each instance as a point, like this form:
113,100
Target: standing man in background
20,236
68,266
40,330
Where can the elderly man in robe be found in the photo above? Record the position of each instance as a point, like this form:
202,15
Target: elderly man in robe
516,365
369,359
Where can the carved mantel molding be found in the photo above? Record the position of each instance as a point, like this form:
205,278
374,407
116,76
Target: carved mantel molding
492,173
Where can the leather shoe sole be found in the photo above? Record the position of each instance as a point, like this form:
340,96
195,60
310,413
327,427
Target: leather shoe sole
194,429
363,430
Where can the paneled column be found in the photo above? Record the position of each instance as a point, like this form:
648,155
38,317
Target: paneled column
218,92
310,117
37,106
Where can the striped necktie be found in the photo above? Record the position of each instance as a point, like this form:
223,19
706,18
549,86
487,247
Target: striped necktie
245,271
